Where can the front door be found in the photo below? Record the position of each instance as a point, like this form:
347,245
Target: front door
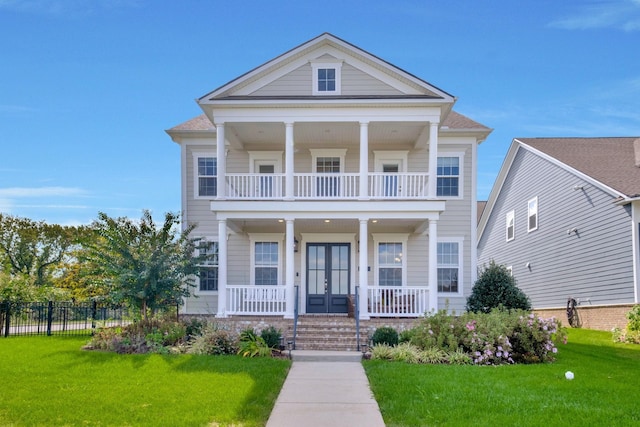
328,275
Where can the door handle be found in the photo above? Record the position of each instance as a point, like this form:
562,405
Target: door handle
325,287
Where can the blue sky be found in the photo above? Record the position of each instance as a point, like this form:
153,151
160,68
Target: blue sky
87,87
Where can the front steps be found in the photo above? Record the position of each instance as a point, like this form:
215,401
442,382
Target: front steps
328,333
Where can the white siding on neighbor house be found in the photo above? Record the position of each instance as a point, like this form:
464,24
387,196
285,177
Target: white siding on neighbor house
594,266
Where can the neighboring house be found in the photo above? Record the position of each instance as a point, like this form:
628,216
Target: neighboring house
564,216
324,170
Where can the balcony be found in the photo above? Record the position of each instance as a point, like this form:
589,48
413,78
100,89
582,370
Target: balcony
315,186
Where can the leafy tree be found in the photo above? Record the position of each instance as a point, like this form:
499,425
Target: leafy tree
496,287
33,249
141,264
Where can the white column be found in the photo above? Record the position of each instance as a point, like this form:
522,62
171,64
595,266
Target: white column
364,160
222,268
433,158
363,276
433,266
288,154
221,162
290,271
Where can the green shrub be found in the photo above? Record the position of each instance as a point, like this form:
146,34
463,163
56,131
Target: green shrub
433,355
382,352
252,345
385,335
631,333
271,336
496,287
440,330
213,341
406,352
634,319
458,357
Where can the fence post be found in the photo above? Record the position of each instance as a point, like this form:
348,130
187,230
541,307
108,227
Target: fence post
7,319
49,317
94,311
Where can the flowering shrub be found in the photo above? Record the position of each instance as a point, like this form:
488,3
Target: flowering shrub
630,334
494,338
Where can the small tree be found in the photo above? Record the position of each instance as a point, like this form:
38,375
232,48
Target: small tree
496,287
141,264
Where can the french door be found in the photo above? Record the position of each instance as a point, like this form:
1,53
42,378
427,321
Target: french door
328,276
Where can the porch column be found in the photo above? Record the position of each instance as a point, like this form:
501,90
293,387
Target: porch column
222,268
288,154
363,272
433,159
364,160
290,271
433,266
221,162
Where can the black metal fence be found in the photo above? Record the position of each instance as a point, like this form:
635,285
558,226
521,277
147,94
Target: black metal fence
58,318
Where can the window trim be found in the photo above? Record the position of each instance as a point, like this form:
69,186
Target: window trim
460,242
196,176
403,239
529,214
197,289
326,64
460,156
266,238
510,215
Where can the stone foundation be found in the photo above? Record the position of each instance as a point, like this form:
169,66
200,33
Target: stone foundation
603,317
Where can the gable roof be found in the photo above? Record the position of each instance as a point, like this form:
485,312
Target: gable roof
612,163
278,65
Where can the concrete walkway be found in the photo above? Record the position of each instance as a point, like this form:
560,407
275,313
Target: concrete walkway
326,389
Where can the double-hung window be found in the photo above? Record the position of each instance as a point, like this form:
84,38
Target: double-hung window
449,266
266,263
448,176
390,264
206,170
510,225
532,214
209,266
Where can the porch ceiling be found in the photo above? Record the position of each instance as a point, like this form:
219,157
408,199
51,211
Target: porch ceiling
334,226
326,133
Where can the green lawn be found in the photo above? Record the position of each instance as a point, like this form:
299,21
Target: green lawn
605,391
50,381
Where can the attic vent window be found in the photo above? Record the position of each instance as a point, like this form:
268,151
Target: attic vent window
326,78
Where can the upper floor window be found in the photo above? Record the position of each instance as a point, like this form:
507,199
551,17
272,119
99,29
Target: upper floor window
532,209
206,168
511,229
448,175
449,267
326,77
208,278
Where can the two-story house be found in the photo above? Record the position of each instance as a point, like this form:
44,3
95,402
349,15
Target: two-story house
564,216
325,173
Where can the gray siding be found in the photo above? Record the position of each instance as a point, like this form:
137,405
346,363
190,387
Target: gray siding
594,266
295,83
356,82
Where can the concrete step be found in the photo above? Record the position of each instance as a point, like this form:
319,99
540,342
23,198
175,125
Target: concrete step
325,356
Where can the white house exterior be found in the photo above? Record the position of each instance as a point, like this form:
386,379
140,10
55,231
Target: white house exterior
564,216
324,170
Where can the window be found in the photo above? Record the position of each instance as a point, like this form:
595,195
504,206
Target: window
449,267
511,229
390,264
448,172
326,77
266,263
209,267
206,179
532,209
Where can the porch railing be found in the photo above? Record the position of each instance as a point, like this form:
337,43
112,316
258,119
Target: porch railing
327,186
256,300
394,301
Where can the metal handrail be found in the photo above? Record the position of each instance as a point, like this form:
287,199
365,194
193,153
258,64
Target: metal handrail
357,314
295,315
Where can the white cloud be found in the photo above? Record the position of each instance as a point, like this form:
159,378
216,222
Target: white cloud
623,15
32,192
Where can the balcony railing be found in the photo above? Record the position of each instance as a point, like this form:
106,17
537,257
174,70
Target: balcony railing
394,301
327,186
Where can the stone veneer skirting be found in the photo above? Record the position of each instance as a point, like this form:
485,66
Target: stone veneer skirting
600,317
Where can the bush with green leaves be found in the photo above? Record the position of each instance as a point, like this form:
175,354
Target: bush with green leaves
496,287
271,336
252,345
213,341
385,335
631,333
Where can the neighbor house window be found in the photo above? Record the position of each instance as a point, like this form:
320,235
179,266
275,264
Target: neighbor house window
448,184
326,77
206,169
390,264
449,267
532,209
511,229
266,263
209,267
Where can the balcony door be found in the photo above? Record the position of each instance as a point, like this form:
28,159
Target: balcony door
266,170
328,275
265,183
